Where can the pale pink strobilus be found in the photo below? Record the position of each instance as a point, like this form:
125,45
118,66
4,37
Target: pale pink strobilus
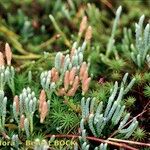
71,92
44,111
76,83
83,25
72,75
16,101
72,52
42,99
82,69
85,76
22,118
66,80
56,77
1,59
54,74
85,85
8,54
53,71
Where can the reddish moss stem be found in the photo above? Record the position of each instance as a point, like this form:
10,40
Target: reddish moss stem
122,145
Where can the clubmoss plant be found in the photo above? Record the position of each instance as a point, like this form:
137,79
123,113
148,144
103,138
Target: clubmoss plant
112,40
3,103
6,77
85,143
98,117
68,74
7,71
24,108
141,49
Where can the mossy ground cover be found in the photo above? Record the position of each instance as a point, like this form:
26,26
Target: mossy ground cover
74,70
